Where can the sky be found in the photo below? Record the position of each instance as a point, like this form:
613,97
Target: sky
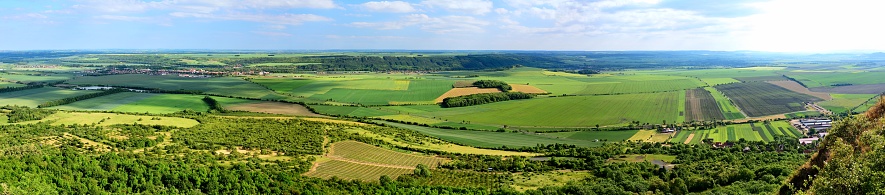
582,25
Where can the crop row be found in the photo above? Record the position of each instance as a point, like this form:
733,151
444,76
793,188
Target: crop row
349,170
368,153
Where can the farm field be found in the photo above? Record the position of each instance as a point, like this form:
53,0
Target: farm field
490,139
749,132
575,111
360,161
350,111
8,84
761,99
354,171
729,110
362,152
700,105
595,135
24,78
651,136
105,119
845,102
106,103
853,89
827,79
418,92
165,103
636,84
454,92
34,97
798,88
223,86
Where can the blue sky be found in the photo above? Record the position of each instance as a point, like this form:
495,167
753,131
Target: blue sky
764,25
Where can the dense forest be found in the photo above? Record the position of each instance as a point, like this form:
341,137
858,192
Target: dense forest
501,85
483,98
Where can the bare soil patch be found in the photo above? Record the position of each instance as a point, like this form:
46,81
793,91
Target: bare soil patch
688,140
275,108
455,92
527,89
796,87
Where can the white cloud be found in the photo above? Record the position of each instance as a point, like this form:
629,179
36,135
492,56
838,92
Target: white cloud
388,6
446,24
285,19
791,25
26,16
272,34
478,7
202,6
123,18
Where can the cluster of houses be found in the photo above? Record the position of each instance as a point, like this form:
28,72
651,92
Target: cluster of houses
821,126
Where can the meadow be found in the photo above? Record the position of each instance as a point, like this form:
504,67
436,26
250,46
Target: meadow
762,99
106,119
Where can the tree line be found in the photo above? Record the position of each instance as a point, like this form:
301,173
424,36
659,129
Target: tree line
483,98
69,100
11,89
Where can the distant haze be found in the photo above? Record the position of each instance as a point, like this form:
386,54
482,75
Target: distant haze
776,25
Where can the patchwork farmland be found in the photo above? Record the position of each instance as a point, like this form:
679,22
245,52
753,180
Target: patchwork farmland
750,132
701,106
762,99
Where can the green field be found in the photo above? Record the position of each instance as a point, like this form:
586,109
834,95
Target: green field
490,139
762,99
825,79
574,111
34,97
165,103
108,102
8,84
729,110
595,135
350,111
845,102
142,102
25,78
223,86
749,132
418,92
